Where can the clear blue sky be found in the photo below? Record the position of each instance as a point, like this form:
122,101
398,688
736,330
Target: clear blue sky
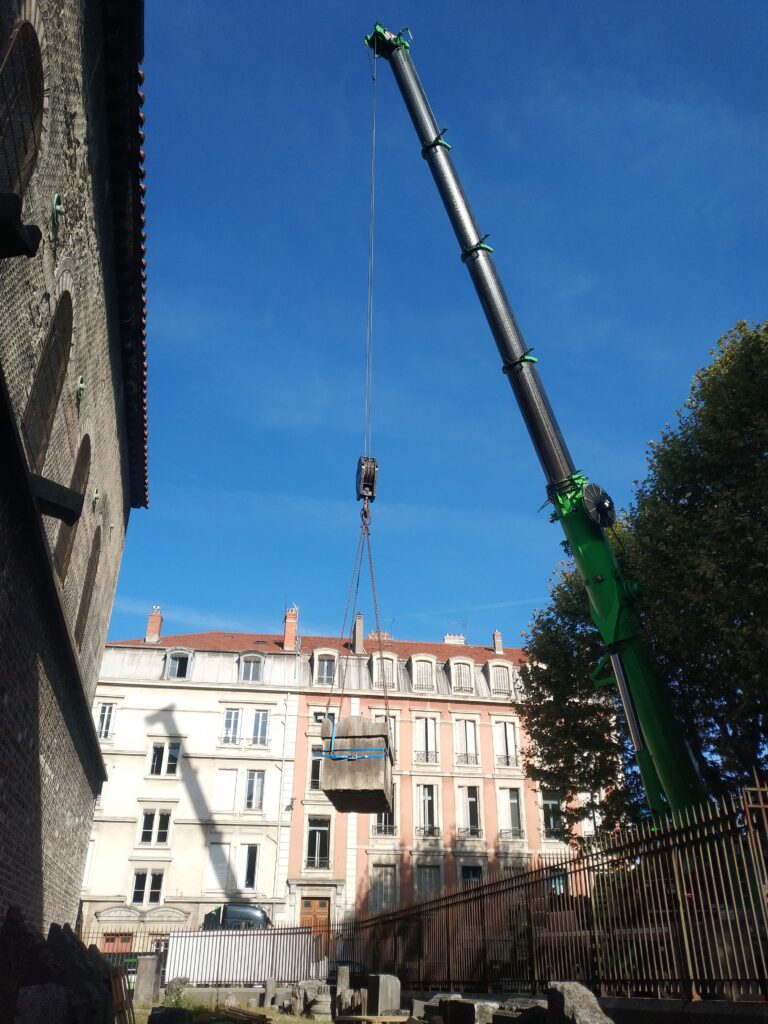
617,155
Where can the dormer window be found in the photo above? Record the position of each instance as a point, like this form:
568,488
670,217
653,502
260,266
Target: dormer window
500,681
461,678
177,664
424,675
326,669
251,669
383,673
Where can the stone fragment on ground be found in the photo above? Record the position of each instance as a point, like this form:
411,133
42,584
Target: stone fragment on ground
568,1002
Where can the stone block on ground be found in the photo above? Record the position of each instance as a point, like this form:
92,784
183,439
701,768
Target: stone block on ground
432,1007
270,988
342,977
383,994
146,988
522,1011
320,1005
568,1002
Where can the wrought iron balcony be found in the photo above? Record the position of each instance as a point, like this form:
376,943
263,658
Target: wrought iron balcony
466,759
501,691
425,757
463,688
321,863
229,740
428,831
507,760
505,834
470,832
383,828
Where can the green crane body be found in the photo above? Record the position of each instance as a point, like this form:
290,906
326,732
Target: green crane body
668,770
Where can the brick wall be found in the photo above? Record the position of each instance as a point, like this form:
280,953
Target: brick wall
49,776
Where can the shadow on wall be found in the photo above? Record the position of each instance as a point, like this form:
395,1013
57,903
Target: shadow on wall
230,892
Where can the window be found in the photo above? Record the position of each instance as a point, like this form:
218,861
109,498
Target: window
155,826
385,820
382,893
319,716
425,741
249,861
383,673
140,886
260,723
470,812
427,811
105,722
471,873
178,666
316,768
21,112
461,675
510,803
165,758
552,812
40,410
65,541
163,825
500,681
425,676
218,866
254,790
326,666
505,742
318,843
427,880
465,742
231,733
251,670
88,587
593,820
226,784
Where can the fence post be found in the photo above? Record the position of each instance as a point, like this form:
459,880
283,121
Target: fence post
531,939
448,945
486,958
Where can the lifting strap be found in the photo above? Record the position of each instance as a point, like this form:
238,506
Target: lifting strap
364,539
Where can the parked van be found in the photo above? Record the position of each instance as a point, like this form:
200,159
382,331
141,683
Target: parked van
237,915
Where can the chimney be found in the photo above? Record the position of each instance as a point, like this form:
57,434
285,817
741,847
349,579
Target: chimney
497,645
290,622
454,638
154,625
357,635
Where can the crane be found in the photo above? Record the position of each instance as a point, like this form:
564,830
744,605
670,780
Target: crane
584,510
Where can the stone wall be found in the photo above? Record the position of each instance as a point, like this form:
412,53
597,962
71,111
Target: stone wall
50,767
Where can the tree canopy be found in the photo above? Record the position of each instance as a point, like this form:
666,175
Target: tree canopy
696,539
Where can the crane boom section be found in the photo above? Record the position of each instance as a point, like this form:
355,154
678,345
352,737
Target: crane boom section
668,770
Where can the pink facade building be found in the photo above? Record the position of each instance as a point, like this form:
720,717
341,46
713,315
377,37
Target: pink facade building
214,793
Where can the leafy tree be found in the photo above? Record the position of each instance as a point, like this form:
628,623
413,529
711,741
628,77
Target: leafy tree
698,544
578,742
696,538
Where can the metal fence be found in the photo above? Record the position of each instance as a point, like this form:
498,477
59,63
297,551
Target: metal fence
668,909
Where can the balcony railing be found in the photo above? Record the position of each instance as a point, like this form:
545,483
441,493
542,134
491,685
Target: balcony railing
501,691
320,863
507,760
470,832
109,734
466,759
383,828
463,688
428,831
229,740
425,757
505,834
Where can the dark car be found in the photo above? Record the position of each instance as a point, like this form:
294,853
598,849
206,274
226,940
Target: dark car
237,915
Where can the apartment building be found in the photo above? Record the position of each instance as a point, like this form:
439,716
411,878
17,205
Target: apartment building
214,760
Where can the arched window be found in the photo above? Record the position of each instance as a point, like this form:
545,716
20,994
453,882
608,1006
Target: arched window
251,668
88,585
66,539
43,401
21,108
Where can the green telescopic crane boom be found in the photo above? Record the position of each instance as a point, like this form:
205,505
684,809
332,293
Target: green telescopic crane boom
584,510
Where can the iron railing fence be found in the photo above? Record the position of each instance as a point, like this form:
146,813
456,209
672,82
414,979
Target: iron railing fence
668,909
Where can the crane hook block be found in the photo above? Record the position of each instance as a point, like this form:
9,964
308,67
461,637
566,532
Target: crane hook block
367,471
